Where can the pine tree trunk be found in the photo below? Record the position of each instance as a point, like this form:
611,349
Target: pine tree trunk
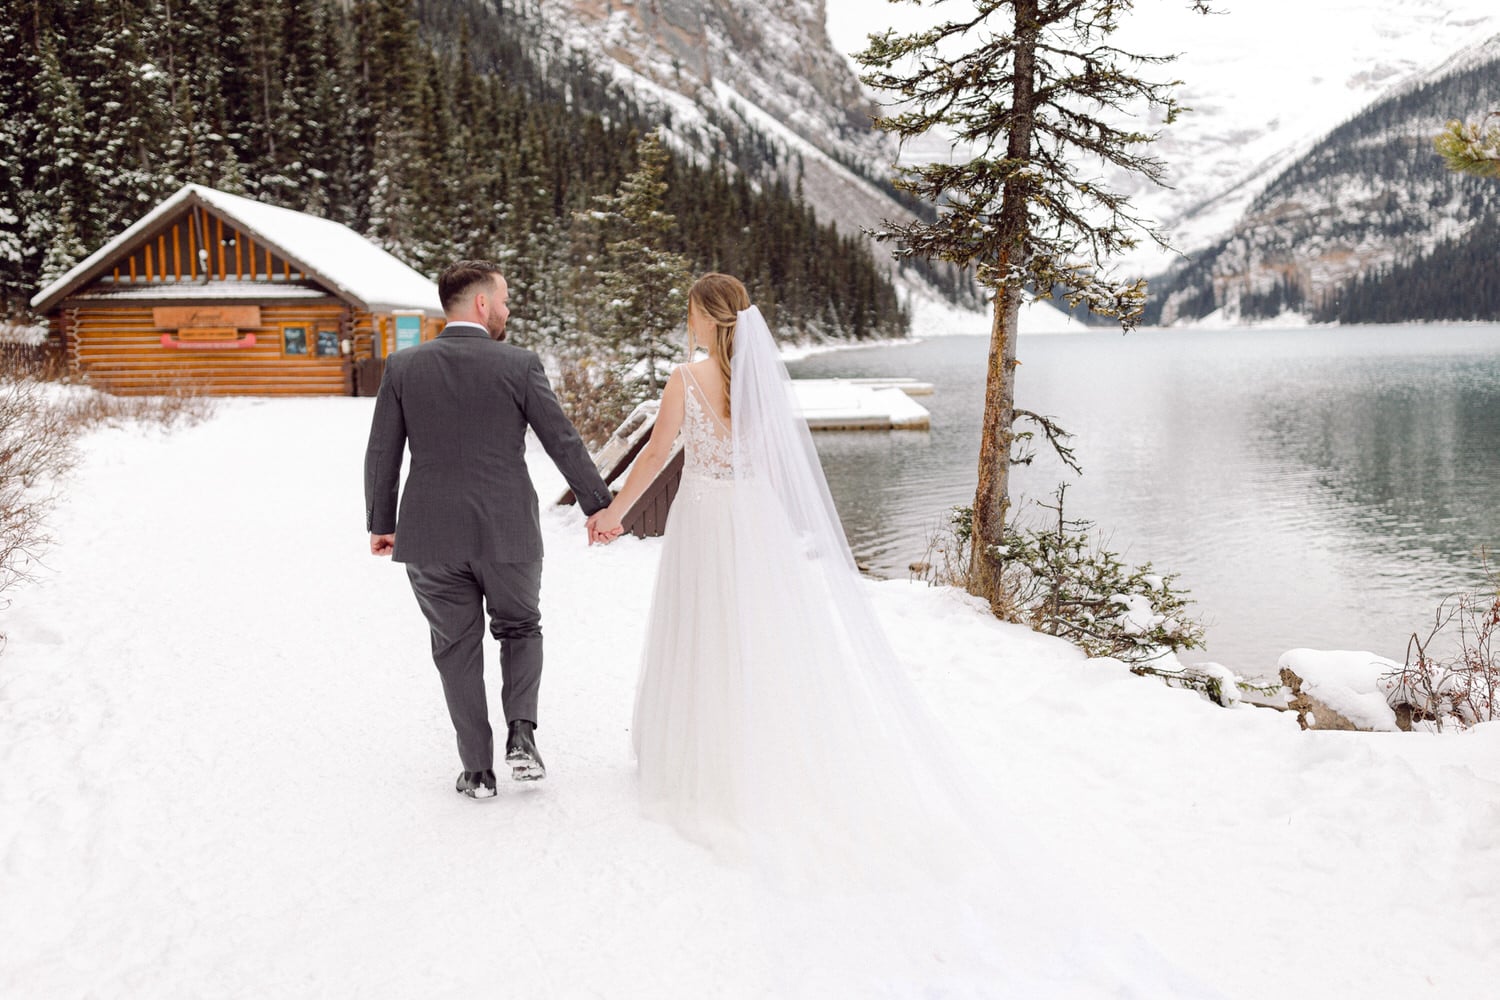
992,497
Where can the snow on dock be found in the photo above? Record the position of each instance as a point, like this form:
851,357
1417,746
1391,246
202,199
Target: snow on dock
862,404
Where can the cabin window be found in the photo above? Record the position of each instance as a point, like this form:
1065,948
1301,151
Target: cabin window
327,343
294,341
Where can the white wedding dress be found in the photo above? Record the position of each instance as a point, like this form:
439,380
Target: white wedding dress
772,719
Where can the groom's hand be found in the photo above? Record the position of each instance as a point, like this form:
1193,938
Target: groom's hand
382,545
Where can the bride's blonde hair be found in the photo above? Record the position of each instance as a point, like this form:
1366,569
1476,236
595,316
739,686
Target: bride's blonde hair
720,297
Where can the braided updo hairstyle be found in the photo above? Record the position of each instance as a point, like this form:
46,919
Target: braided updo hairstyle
720,297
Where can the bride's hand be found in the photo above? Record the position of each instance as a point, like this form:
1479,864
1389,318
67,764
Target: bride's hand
605,527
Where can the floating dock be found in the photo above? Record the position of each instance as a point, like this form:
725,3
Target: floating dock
863,404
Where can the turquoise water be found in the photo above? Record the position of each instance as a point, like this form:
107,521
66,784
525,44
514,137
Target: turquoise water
1312,487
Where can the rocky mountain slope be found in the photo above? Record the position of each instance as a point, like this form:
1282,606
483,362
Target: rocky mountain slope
726,72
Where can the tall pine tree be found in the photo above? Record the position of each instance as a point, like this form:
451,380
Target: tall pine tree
642,285
1029,90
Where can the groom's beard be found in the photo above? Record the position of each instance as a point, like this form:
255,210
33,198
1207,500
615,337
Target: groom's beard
497,330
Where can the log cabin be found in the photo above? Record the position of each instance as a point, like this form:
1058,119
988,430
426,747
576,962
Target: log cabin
218,294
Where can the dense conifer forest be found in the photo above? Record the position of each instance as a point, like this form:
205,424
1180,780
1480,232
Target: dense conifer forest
438,128
1457,280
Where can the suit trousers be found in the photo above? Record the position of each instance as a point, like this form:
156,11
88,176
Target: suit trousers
454,597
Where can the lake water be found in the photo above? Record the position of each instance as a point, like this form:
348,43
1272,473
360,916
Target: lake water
1311,487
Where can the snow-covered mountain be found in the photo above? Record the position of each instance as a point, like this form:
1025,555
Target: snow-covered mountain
1367,198
766,67
1268,79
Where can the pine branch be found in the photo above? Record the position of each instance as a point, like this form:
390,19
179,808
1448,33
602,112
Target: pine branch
1472,149
1055,437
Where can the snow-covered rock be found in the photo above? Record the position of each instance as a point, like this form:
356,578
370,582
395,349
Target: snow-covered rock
1346,681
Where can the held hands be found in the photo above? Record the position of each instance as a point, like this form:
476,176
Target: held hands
382,545
604,527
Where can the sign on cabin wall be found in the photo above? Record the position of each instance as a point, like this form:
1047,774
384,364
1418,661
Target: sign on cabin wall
216,318
196,333
408,331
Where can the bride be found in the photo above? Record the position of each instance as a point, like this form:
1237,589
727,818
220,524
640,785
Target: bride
773,721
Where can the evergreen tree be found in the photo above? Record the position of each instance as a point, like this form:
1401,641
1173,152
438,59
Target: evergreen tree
642,286
20,69
1472,149
393,94
63,174
1037,93
199,146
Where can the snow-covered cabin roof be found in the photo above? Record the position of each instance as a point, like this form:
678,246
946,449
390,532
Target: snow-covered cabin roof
330,253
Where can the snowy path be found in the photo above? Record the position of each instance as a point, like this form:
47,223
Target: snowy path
225,770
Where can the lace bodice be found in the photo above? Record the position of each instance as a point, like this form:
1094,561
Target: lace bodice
705,438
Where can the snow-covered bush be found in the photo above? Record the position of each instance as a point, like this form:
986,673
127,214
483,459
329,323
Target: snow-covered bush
1061,580
1461,688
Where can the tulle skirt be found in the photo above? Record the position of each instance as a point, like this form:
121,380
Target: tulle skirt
769,727
688,721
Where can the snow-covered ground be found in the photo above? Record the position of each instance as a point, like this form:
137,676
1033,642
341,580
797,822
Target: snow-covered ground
934,317
226,771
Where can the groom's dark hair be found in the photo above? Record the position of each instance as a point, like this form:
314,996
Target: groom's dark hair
457,279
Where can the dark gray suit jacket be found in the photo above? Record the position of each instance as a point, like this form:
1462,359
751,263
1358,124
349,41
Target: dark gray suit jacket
462,402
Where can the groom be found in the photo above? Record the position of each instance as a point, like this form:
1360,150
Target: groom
468,528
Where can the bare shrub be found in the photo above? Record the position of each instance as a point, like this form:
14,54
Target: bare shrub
35,449
38,427
175,407
594,396
39,362
1463,687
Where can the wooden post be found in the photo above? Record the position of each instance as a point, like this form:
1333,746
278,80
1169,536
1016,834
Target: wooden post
150,270
192,248
161,254
252,258
219,226
176,254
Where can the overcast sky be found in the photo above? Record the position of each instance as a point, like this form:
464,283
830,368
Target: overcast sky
851,21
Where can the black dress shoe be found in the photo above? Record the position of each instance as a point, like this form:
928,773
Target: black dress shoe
520,752
477,784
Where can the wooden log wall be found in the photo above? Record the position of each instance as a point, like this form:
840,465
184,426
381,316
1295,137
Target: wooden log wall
365,328
119,348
